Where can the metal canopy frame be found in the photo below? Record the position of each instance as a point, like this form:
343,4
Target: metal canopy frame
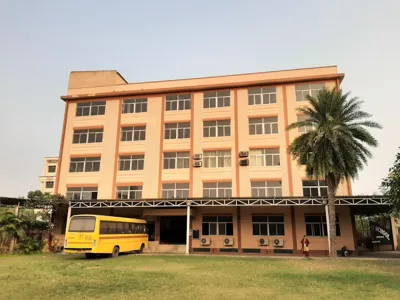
206,202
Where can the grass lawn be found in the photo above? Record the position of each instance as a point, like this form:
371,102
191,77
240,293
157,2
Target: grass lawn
179,277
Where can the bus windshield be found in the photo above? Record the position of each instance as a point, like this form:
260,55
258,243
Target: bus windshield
82,224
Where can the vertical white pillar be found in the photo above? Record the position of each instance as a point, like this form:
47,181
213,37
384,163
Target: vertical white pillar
327,227
187,227
16,211
66,226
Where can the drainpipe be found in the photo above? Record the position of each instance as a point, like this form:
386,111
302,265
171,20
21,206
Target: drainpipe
187,226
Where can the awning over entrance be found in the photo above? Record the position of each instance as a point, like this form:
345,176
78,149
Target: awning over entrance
167,212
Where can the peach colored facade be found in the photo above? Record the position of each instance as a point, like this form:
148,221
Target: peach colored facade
109,86
48,179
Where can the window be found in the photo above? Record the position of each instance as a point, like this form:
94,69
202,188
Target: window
175,190
266,95
84,164
176,160
177,131
263,125
134,106
217,189
109,227
304,90
129,192
315,188
316,226
268,225
216,128
51,169
216,99
304,129
86,136
82,193
131,163
266,188
178,102
265,157
90,108
218,225
82,224
49,184
217,159
133,133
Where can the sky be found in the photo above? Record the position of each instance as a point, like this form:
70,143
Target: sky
42,41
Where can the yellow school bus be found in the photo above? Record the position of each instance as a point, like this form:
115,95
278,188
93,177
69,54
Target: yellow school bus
103,235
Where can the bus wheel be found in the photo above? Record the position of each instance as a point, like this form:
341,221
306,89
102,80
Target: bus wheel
141,248
115,252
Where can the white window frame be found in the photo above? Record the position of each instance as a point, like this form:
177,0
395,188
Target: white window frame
219,224
178,102
217,159
134,106
85,109
322,225
133,133
217,128
49,187
176,160
266,189
220,189
320,186
266,125
268,223
308,89
87,136
129,192
174,131
269,157
131,162
217,99
262,96
175,190
83,193
84,164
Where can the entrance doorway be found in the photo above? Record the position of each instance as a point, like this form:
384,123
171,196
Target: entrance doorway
151,230
173,230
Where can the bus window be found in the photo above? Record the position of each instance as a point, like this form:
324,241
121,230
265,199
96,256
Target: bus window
112,227
127,228
132,226
82,224
104,227
120,228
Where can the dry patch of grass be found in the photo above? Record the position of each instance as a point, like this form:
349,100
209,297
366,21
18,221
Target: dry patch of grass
179,277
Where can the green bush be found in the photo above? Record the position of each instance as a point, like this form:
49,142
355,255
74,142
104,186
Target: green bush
30,245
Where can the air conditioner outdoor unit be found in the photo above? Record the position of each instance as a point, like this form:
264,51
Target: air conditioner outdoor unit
197,163
228,242
244,154
198,156
263,242
278,242
205,241
244,162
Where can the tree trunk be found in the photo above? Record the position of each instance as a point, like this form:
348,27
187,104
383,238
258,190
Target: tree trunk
332,217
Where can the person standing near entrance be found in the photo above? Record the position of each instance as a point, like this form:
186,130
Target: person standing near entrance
305,246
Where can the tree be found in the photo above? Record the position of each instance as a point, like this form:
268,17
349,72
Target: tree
11,227
391,185
337,147
48,204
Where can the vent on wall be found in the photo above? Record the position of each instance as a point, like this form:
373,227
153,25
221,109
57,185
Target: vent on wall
198,156
197,163
243,154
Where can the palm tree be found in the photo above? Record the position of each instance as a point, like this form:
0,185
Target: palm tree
11,228
337,147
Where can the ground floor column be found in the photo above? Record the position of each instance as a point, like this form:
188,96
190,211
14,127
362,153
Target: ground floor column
66,226
327,226
187,228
